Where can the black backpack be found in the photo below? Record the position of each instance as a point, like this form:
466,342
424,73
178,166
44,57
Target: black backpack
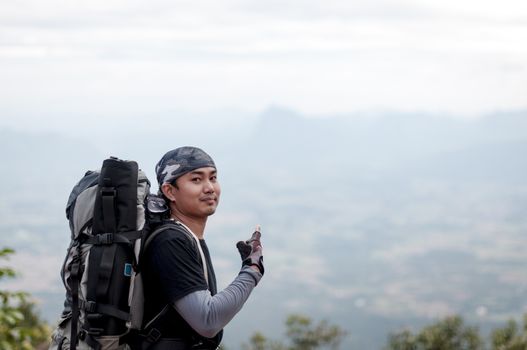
112,217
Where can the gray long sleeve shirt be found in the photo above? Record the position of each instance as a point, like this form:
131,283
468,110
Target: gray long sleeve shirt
208,314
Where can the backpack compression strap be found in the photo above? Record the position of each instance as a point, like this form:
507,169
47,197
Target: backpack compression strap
104,273
110,238
75,272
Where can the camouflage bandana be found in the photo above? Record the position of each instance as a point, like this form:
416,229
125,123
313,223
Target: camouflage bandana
180,161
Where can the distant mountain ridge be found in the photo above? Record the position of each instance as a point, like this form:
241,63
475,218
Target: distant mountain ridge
372,222
391,142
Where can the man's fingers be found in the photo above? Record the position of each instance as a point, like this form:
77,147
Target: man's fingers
256,236
241,245
244,249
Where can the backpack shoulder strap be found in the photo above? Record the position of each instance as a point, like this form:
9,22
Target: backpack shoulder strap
203,260
188,233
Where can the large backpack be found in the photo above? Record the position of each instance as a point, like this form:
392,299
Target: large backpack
106,213
112,218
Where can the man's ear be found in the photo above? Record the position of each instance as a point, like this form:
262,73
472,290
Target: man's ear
167,190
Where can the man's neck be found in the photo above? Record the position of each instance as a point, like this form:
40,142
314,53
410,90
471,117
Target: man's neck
196,225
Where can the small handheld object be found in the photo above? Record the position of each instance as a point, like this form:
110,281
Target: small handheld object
251,250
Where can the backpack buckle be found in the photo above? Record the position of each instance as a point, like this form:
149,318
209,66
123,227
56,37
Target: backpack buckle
108,191
74,269
153,335
90,306
104,238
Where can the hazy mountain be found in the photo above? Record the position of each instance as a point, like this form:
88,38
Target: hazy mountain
373,222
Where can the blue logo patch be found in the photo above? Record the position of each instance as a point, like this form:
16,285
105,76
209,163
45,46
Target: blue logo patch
128,270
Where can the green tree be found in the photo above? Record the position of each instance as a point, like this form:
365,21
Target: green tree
510,337
448,334
259,342
20,326
302,334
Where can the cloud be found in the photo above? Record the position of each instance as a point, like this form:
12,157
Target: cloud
405,55
407,304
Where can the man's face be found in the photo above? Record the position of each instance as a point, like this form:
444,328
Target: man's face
197,193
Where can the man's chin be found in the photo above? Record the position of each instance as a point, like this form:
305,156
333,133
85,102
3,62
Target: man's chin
210,211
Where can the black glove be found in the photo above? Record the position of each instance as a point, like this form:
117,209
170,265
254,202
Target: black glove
251,251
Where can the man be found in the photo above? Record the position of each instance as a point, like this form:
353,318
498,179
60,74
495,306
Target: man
180,285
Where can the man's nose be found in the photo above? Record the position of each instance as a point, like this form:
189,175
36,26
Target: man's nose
208,187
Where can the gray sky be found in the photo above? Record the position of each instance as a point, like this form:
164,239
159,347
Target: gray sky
63,60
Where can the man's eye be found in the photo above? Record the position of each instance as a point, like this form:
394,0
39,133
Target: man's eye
195,179
213,178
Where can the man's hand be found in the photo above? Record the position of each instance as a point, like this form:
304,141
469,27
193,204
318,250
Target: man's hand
251,251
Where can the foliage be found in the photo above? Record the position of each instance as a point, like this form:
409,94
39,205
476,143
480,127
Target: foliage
509,337
20,326
447,334
451,333
301,335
